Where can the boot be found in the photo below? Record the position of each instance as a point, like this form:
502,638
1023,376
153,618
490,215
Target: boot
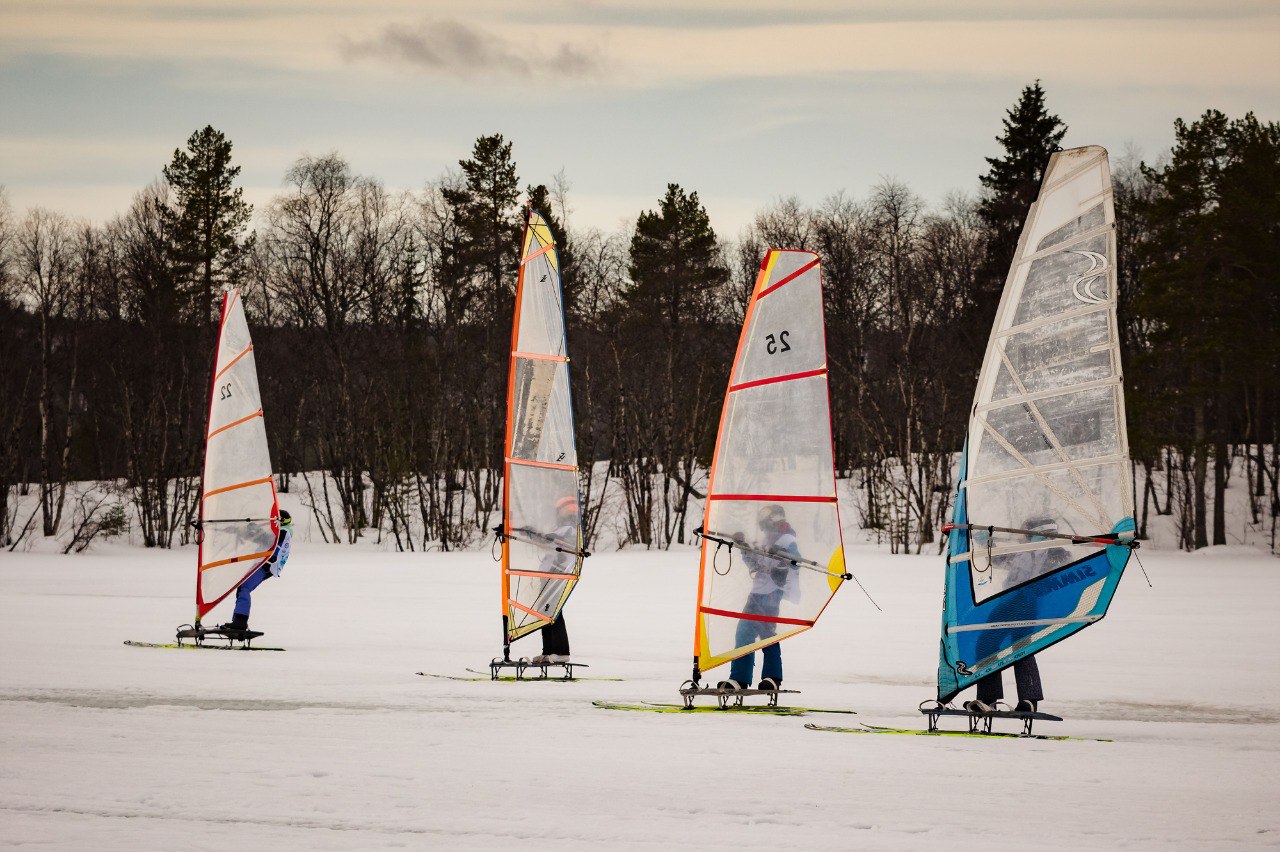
238,622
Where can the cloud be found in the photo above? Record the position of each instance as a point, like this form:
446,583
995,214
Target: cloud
459,50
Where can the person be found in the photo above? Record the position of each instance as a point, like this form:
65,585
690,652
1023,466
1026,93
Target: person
772,580
1019,568
555,636
272,567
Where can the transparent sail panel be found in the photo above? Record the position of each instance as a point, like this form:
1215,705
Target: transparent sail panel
773,482
238,497
542,416
1075,276
756,578
541,328
776,439
544,523
784,333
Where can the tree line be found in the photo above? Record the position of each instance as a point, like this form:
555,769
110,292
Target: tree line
381,323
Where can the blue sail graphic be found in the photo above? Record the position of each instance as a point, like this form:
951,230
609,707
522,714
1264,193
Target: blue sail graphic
1042,525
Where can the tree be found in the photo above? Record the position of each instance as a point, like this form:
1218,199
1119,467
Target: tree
1031,134
676,269
672,305
210,215
487,209
1211,240
46,266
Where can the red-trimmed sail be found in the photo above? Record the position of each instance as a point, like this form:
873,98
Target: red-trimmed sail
773,487
239,514
541,520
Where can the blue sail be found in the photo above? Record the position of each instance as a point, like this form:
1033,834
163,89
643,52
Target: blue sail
1042,525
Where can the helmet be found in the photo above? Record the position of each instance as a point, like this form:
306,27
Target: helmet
567,504
770,516
285,519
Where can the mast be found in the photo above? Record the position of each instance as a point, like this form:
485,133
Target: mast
772,549
239,512
1042,525
541,531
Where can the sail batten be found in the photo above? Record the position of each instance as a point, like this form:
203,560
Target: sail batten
239,510
542,549
1043,518
772,494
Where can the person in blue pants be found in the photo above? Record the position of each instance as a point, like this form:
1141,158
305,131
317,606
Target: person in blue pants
771,579
272,567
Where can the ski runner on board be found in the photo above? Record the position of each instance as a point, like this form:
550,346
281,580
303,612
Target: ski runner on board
1013,570
772,581
555,636
272,567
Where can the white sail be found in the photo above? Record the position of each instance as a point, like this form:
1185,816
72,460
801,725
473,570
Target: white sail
542,524
239,513
1047,445
772,491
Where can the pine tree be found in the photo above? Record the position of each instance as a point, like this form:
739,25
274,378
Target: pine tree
1031,134
488,213
1207,291
675,266
210,216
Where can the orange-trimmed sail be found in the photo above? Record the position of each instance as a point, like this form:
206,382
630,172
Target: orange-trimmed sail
773,489
239,514
541,520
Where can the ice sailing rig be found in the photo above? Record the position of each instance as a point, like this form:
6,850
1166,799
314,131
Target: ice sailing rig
541,531
1042,525
772,551
239,512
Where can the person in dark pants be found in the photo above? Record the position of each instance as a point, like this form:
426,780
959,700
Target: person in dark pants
1021,567
771,579
272,567
555,636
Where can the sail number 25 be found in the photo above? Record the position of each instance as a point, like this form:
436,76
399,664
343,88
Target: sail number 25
777,343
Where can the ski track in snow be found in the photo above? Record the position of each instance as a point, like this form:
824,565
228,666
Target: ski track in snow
337,744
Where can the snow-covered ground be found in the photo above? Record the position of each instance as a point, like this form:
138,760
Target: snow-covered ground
336,744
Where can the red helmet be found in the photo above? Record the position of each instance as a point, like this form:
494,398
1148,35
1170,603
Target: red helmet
567,504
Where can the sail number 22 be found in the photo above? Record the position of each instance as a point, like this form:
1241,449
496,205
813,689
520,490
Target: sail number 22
777,343
224,391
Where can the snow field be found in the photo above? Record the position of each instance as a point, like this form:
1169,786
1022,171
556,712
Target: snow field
336,744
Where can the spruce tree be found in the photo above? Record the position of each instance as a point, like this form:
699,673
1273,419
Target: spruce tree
488,212
1031,134
1208,294
210,215
675,265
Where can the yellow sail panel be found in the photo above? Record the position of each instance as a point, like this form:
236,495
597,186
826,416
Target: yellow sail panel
772,495
238,507
542,521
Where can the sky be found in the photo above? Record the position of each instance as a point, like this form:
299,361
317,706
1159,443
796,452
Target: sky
743,101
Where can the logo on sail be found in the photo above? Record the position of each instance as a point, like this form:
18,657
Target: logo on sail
1082,287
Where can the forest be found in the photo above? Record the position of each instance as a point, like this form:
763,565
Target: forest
382,319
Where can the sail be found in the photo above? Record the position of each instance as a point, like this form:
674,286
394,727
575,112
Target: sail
542,522
1042,526
772,493
239,515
